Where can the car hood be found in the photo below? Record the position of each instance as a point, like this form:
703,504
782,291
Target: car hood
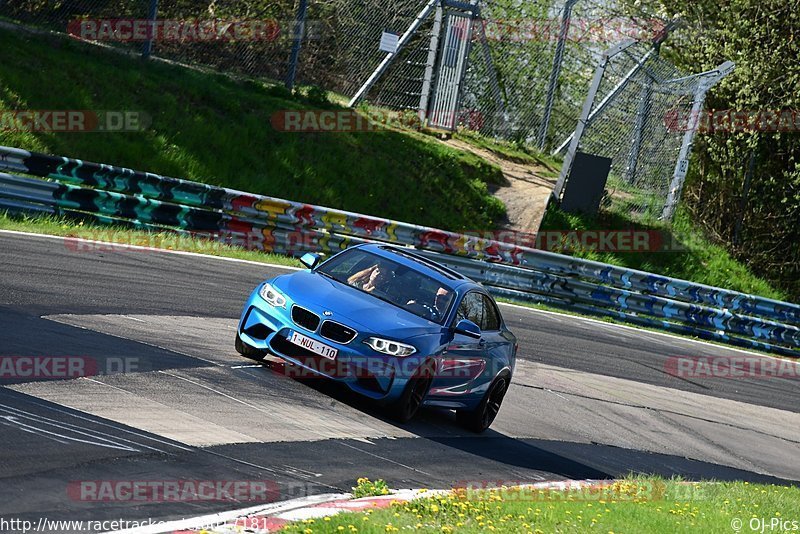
351,306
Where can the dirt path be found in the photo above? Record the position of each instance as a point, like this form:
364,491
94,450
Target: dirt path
526,192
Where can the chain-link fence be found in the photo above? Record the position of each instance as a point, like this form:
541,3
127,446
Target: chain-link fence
239,37
642,114
531,64
518,71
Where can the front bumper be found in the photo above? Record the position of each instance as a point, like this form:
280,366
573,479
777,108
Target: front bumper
363,370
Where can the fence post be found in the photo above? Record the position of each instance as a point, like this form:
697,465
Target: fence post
583,121
682,166
497,94
612,95
430,65
555,74
638,131
297,43
152,14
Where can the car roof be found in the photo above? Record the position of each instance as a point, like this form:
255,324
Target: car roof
409,258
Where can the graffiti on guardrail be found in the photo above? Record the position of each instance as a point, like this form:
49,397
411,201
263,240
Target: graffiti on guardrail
150,201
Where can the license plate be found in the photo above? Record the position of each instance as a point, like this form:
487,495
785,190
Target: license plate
314,346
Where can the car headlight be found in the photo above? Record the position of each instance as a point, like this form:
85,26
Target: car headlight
392,348
271,295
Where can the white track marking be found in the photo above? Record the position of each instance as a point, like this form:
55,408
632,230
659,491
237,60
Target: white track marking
531,310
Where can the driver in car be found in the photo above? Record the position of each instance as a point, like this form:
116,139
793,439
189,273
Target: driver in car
372,278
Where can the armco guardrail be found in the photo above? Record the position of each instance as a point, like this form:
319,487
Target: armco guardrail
107,193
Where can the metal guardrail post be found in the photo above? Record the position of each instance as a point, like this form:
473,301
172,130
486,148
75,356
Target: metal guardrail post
555,74
585,117
497,93
152,14
612,94
682,166
430,64
297,43
638,131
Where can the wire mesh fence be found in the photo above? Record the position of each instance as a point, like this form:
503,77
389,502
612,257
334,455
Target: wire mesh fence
251,37
643,118
524,75
634,129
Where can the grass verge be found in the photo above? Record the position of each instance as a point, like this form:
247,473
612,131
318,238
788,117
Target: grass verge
636,504
214,129
686,253
516,152
122,240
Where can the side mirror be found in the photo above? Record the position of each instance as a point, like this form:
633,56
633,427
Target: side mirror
310,260
468,328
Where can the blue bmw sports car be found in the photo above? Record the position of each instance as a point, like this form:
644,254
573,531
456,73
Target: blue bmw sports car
390,324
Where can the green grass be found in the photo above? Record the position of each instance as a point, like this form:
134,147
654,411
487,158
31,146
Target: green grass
120,239
214,129
636,504
367,488
689,254
518,153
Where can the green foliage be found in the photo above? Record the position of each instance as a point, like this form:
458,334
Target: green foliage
639,504
316,96
366,488
763,38
121,239
685,253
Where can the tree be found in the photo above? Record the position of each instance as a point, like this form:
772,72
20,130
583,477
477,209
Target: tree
759,221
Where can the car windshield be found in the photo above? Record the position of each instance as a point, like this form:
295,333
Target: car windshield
392,282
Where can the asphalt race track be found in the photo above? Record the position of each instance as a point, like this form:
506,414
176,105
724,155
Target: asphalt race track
168,398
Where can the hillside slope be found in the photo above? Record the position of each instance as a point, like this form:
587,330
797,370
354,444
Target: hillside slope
210,128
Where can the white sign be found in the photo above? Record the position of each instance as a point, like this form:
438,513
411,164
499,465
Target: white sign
682,169
389,42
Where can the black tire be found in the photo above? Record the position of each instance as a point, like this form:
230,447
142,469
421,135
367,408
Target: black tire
246,350
482,417
407,406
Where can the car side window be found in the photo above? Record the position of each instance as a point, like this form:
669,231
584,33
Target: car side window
471,308
491,316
